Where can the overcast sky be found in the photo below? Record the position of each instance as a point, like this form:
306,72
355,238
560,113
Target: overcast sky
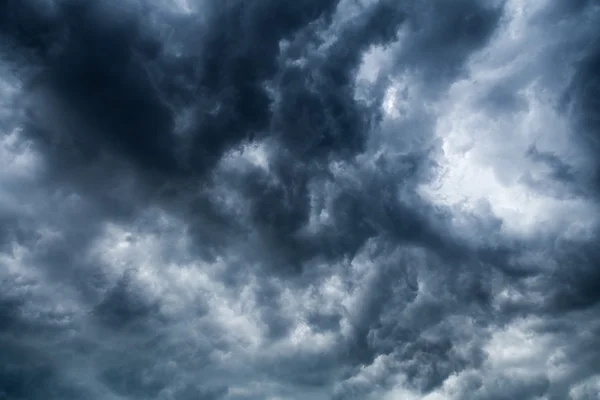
307,199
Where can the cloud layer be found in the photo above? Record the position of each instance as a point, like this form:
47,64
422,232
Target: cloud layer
317,199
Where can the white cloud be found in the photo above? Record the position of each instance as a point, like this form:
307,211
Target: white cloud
485,149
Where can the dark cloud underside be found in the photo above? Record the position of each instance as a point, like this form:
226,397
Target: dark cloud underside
324,199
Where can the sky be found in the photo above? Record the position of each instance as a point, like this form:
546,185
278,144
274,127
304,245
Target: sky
308,199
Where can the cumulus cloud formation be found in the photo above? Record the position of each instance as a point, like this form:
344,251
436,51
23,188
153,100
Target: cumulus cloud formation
311,199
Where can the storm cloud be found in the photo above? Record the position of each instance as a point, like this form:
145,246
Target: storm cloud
311,199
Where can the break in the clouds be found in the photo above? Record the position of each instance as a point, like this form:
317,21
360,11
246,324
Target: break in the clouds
311,199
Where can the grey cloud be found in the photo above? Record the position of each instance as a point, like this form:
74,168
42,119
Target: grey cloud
583,95
441,35
205,201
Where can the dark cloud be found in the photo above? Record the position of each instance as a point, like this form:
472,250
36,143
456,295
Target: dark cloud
311,199
442,35
583,98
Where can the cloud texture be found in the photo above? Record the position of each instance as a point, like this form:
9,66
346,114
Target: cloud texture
310,199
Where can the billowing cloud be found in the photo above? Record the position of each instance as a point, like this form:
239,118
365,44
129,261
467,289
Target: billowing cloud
324,199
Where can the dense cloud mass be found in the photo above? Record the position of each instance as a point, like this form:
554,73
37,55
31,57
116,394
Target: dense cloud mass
309,199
